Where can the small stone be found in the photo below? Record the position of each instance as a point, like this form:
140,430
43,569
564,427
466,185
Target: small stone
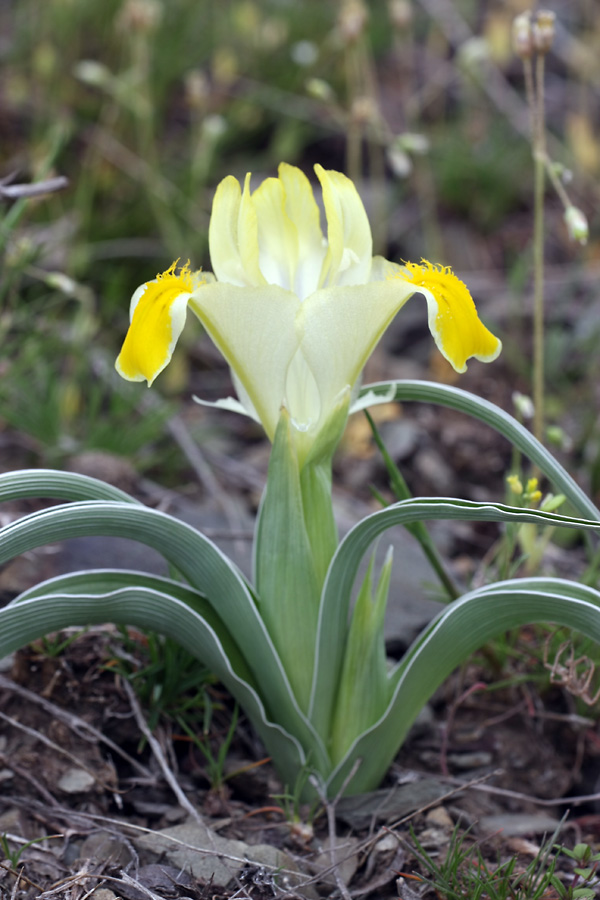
517,824
107,847
10,820
103,894
388,842
434,838
76,781
345,857
440,817
213,859
475,760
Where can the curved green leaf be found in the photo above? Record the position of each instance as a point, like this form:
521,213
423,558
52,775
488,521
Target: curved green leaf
333,614
492,415
458,630
104,581
205,567
81,600
49,483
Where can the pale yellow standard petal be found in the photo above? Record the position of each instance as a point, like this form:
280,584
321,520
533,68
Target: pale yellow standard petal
255,330
302,209
350,244
340,327
453,321
233,235
158,312
248,231
277,235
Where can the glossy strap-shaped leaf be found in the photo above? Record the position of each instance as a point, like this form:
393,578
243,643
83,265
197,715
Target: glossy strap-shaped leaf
104,581
459,630
333,614
492,415
205,567
49,483
82,600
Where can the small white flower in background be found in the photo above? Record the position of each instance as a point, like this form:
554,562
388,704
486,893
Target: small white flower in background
577,225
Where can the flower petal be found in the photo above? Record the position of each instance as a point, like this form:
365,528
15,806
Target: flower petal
340,327
228,403
302,396
254,328
277,234
453,321
158,311
348,259
302,209
233,235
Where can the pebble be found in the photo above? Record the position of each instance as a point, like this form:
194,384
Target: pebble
440,817
76,781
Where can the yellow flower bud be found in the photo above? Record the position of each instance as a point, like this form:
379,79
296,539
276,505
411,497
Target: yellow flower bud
515,484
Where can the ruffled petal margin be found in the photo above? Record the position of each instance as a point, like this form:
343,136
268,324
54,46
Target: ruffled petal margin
158,312
455,326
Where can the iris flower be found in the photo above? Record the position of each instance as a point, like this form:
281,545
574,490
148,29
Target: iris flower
296,314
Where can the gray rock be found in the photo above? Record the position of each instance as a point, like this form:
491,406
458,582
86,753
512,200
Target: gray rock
76,781
213,859
517,824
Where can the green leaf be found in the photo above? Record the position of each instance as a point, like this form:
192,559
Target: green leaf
57,485
364,689
333,615
490,414
285,571
82,599
104,581
456,632
206,568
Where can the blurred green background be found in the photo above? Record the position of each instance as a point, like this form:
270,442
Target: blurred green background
144,105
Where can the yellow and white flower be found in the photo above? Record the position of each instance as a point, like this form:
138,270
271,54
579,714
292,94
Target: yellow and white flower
295,314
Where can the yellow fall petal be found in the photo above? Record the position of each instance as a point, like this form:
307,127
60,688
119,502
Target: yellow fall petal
158,312
453,321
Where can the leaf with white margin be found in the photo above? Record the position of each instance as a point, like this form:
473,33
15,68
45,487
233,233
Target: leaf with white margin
458,631
83,599
333,613
57,485
203,565
492,415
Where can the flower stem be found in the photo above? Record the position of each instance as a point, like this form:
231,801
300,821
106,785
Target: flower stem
539,159
417,529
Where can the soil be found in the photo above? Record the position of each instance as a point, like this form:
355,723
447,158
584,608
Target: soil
84,786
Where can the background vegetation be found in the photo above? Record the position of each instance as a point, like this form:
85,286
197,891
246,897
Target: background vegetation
145,105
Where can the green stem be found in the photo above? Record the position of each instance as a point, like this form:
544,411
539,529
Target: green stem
417,529
539,157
